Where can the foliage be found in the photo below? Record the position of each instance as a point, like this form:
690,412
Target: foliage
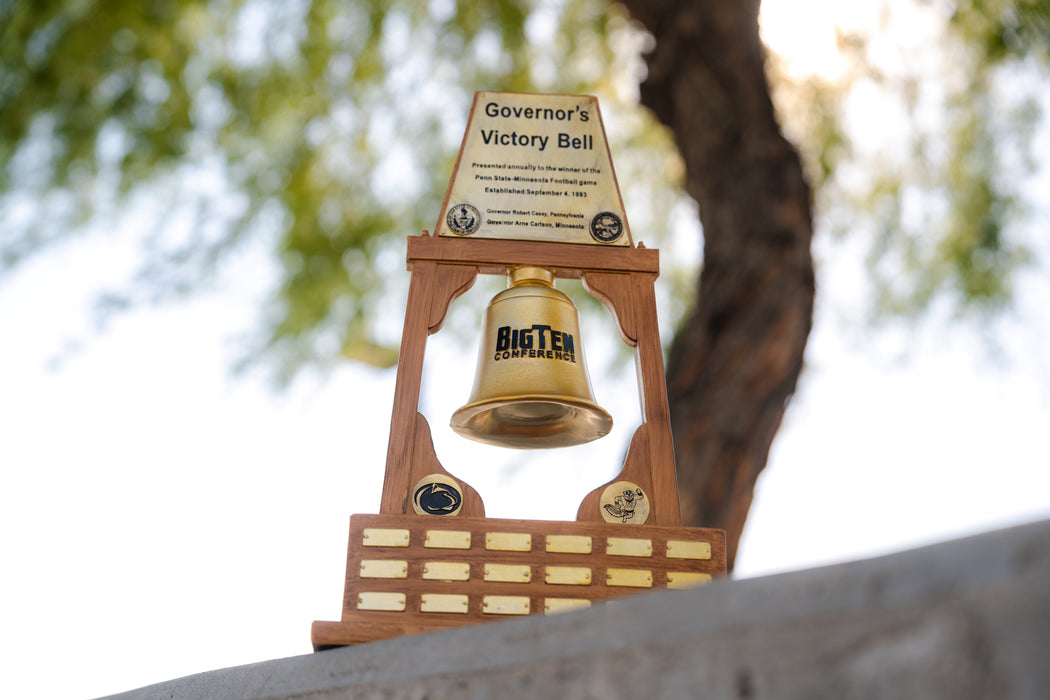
325,128
921,144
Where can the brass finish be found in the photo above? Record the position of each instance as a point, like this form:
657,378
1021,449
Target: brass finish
383,568
568,575
629,547
505,604
508,541
446,571
390,602
569,544
553,606
444,603
683,549
531,388
447,539
686,579
635,578
508,573
384,537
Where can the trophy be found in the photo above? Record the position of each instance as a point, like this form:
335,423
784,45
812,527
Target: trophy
532,196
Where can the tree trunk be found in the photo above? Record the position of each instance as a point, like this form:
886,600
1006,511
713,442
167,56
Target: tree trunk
736,360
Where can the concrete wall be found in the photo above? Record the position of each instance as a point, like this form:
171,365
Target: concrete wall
965,619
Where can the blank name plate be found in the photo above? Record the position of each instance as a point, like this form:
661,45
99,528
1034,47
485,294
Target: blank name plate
391,602
633,578
443,603
505,605
508,573
446,571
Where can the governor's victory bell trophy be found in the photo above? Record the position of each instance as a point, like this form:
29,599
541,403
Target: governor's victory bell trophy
533,196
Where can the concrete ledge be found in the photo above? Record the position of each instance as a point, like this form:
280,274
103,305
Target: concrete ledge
965,619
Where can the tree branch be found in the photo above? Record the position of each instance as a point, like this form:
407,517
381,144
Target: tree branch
735,362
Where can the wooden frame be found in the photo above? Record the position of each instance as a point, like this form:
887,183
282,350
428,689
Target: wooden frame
442,269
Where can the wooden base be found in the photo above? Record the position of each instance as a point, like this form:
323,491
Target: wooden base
329,635
408,574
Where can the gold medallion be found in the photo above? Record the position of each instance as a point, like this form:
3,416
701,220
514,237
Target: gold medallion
624,502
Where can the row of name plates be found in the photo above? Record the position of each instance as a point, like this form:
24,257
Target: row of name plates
410,574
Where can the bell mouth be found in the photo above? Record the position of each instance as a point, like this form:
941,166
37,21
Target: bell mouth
532,413
532,422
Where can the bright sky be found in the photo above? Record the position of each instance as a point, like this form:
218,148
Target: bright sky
163,518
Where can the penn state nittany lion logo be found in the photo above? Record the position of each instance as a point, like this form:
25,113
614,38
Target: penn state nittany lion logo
463,219
436,494
606,227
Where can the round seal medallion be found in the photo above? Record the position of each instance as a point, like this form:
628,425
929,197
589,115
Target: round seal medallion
463,219
606,227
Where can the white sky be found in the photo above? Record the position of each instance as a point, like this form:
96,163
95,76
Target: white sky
162,518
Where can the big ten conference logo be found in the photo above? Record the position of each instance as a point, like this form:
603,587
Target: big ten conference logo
536,341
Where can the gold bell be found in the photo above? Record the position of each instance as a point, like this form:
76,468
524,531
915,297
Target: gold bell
531,388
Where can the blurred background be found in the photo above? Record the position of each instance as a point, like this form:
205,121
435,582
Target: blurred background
203,208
